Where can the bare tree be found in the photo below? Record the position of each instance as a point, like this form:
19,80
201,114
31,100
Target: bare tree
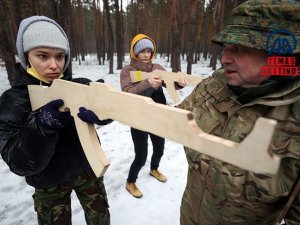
110,37
221,10
177,26
103,41
175,37
119,35
199,23
218,14
8,31
192,33
141,16
97,19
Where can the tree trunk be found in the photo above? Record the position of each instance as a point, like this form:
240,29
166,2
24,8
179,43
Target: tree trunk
200,18
97,29
110,38
192,32
103,41
141,16
175,37
8,31
217,22
65,10
122,31
119,35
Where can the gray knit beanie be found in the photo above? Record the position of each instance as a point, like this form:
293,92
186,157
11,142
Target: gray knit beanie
41,31
141,45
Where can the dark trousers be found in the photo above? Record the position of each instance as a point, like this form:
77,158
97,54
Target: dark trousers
140,141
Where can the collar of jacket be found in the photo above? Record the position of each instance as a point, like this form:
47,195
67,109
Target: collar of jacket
21,77
246,95
288,94
32,71
146,67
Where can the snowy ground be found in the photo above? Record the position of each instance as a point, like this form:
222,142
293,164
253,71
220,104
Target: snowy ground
161,201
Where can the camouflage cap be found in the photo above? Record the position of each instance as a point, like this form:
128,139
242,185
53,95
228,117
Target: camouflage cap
251,23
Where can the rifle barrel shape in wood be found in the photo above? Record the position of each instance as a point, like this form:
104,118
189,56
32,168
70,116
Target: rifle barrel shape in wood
144,114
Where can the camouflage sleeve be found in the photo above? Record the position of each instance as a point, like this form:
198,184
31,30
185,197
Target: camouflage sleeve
197,95
293,215
189,103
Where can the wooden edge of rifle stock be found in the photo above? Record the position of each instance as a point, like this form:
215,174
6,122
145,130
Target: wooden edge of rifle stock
87,134
180,126
137,76
168,77
173,123
91,146
175,76
257,140
252,153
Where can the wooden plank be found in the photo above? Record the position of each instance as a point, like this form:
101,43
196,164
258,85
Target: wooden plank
74,96
165,121
168,77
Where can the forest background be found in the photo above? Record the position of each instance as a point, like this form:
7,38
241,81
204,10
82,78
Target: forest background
180,28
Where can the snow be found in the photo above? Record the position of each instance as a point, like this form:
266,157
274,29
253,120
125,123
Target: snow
160,204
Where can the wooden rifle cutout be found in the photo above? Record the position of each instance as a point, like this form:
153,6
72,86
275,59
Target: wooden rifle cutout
168,77
144,114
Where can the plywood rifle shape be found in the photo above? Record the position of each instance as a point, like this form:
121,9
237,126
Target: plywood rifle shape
144,114
169,79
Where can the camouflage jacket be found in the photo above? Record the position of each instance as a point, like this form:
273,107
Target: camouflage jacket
220,193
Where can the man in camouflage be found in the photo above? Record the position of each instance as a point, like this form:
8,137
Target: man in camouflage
227,104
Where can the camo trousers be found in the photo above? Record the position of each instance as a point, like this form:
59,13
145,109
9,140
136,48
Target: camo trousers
53,205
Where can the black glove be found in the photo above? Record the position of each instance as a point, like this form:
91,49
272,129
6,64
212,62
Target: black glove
90,117
49,115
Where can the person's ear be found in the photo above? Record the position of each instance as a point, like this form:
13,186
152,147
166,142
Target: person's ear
27,60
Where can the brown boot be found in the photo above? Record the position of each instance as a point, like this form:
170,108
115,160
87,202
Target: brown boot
133,190
158,175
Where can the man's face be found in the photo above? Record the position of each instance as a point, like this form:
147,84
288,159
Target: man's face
242,65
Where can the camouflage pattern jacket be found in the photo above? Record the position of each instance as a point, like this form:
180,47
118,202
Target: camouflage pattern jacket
220,193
